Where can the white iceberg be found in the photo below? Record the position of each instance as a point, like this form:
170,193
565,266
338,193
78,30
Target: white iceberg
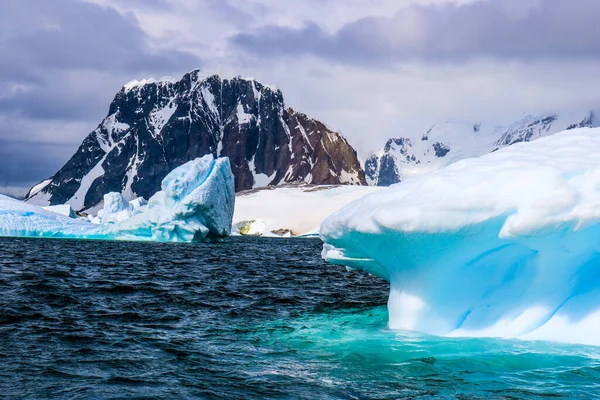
196,204
505,245
137,203
115,209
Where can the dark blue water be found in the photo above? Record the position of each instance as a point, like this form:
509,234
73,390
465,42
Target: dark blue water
249,318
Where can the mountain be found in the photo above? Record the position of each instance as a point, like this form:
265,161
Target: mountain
450,142
153,127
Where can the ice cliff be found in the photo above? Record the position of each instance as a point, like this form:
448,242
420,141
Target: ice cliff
504,245
195,204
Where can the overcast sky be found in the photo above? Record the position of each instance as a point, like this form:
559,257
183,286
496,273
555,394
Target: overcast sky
370,68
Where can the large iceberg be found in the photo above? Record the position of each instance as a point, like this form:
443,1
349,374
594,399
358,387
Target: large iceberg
196,204
505,245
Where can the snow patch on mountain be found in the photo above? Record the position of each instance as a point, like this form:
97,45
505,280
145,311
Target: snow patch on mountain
161,116
154,126
38,188
449,142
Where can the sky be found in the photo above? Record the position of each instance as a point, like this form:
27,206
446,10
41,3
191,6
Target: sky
373,69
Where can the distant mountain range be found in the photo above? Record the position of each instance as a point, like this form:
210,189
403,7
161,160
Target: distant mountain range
153,127
443,144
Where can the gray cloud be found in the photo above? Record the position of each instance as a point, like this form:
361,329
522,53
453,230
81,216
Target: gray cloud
25,163
62,62
547,29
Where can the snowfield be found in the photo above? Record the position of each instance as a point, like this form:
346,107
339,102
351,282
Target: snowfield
196,204
504,245
452,141
291,211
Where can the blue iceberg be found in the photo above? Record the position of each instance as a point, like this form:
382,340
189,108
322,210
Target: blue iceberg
196,203
505,245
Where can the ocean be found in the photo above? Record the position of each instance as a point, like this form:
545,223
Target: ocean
249,318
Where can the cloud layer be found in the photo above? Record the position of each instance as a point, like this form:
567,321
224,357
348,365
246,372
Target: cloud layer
372,69
546,29
62,63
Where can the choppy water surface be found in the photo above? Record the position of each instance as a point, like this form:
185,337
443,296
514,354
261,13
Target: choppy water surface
249,318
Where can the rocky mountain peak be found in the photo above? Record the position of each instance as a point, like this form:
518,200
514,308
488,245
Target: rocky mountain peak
154,126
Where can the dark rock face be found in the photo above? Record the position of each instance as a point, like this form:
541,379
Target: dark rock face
441,150
382,169
388,172
590,121
154,127
534,129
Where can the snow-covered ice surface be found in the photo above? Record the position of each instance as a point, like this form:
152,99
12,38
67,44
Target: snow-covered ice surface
504,245
18,218
196,204
115,209
300,210
63,209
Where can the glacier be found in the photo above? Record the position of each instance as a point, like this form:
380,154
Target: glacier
298,210
196,203
505,245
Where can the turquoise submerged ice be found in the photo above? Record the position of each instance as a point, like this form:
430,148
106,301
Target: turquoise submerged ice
196,203
505,245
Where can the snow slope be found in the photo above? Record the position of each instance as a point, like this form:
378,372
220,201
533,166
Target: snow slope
449,142
504,245
298,209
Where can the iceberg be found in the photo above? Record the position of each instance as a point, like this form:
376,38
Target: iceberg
196,203
505,245
21,219
115,209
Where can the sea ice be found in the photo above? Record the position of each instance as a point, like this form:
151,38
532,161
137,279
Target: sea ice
18,218
196,204
115,209
504,245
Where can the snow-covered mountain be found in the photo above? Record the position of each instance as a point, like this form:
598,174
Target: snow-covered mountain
153,127
445,143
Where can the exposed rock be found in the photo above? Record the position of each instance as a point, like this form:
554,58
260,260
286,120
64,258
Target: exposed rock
450,142
153,127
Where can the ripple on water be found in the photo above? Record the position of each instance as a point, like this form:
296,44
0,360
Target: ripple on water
248,318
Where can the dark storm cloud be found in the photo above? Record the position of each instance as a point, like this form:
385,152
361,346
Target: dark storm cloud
43,35
25,162
62,62
550,29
